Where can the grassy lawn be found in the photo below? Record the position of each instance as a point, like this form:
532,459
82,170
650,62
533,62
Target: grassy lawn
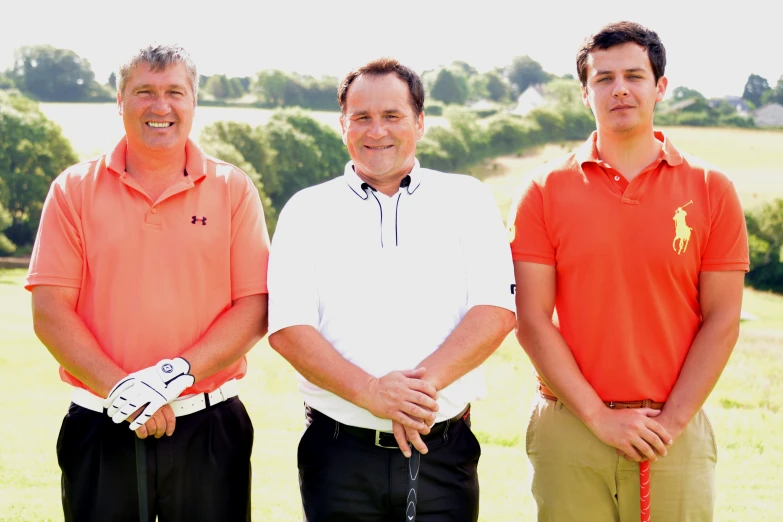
745,409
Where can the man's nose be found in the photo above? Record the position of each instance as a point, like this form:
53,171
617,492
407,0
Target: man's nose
161,106
377,129
620,90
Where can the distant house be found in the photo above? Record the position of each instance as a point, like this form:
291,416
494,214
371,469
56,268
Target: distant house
530,99
739,104
770,115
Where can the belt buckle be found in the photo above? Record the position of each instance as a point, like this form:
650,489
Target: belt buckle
378,440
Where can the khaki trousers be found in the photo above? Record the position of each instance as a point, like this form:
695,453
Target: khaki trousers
576,477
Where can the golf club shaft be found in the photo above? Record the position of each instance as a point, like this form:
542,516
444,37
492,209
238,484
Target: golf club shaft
141,478
644,490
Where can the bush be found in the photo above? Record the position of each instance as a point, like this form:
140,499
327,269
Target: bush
735,120
510,134
33,152
434,108
765,241
551,121
697,119
291,152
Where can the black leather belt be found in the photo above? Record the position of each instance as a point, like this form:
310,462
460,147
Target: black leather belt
384,439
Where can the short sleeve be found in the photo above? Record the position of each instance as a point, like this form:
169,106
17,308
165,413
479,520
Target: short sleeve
489,269
527,229
293,292
57,258
249,246
727,245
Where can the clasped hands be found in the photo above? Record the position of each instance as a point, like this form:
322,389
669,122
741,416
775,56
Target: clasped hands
409,401
148,392
636,433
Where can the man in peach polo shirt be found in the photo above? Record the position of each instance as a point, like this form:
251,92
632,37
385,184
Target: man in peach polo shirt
641,250
148,282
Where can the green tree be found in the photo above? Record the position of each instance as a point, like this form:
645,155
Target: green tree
51,74
6,82
774,95
450,88
765,239
755,88
524,72
278,89
497,88
33,152
247,149
685,93
112,82
291,152
565,92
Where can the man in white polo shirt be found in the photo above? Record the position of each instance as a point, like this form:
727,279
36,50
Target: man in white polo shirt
388,288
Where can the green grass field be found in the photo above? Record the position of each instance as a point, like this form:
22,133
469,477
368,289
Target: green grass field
745,409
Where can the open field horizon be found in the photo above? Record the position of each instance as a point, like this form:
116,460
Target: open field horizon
752,158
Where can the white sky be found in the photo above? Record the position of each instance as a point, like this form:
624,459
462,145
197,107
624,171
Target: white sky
710,48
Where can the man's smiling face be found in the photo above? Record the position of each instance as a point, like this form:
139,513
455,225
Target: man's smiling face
380,127
157,107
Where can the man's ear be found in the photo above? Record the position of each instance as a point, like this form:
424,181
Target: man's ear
119,102
343,129
663,83
585,99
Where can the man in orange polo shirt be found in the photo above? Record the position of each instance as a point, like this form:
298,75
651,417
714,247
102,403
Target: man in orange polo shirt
642,252
148,282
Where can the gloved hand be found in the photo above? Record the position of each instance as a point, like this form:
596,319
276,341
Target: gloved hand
154,386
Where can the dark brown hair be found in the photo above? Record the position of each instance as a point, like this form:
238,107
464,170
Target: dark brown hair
620,33
382,66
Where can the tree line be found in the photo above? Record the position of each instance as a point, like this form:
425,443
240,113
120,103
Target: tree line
46,73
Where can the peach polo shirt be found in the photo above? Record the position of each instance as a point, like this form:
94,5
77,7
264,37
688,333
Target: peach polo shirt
152,275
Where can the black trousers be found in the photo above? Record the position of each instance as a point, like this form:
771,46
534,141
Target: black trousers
343,478
200,473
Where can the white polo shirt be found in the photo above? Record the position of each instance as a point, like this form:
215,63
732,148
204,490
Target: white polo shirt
386,279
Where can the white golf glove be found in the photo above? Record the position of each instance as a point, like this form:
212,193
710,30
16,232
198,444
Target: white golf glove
154,386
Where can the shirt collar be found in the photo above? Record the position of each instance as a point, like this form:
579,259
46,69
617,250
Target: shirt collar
195,159
356,184
588,152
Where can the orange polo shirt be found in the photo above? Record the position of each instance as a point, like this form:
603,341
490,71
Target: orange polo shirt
152,275
628,258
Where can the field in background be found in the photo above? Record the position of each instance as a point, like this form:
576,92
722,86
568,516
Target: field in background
753,159
745,409
94,128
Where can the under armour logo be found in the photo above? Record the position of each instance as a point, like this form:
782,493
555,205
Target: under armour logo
167,368
203,220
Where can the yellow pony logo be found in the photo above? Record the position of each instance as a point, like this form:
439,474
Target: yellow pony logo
682,232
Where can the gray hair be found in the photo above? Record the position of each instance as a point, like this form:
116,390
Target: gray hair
159,57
